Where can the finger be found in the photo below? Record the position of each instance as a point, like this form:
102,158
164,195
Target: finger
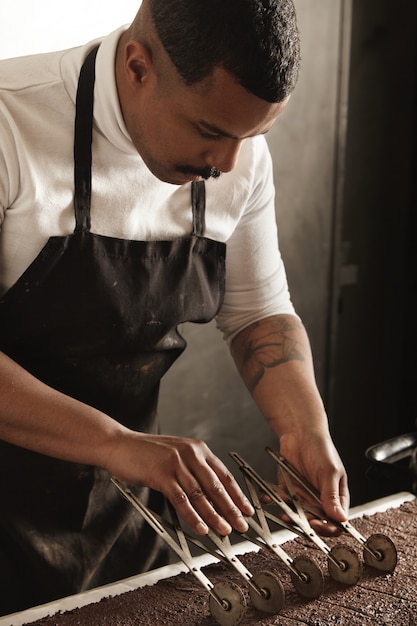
230,485
218,501
185,510
198,494
265,499
321,526
202,500
204,506
324,528
192,504
335,499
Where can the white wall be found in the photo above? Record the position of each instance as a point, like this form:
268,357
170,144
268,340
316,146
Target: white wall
31,26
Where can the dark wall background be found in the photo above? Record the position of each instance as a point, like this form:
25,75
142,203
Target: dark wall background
374,370
344,163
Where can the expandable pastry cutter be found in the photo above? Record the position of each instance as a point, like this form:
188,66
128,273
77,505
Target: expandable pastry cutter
306,576
379,550
227,601
343,562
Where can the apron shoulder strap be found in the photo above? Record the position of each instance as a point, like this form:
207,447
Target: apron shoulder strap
198,199
83,133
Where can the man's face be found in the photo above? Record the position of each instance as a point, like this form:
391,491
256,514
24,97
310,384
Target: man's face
189,133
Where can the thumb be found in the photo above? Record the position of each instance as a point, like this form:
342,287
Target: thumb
335,503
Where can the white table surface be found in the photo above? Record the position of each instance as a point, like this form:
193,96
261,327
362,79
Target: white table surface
128,584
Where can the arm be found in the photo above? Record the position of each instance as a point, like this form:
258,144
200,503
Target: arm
274,359
39,418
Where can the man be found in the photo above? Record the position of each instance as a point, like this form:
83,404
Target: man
112,235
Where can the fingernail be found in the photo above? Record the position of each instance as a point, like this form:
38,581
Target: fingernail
340,511
201,528
225,528
241,525
249,509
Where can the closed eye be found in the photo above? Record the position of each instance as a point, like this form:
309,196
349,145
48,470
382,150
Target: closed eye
207,135
210,131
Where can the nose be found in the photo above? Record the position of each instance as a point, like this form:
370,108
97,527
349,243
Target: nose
224,155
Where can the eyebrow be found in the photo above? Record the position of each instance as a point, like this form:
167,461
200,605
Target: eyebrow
219,131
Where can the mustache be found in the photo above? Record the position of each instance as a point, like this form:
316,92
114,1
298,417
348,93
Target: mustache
205,172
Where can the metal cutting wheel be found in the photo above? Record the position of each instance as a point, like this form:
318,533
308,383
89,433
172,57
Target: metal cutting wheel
230,607
271,598
380,552
308,581
344,565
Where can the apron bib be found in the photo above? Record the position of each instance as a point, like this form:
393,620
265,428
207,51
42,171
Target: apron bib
96,318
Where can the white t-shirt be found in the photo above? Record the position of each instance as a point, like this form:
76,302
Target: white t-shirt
37,109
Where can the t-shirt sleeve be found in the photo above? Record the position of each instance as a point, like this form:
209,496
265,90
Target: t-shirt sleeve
256,281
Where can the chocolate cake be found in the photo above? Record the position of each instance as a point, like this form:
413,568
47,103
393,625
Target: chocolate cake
378,597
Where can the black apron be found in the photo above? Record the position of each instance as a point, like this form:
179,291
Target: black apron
96,318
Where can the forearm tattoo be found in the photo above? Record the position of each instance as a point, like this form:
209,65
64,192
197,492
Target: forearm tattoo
266,349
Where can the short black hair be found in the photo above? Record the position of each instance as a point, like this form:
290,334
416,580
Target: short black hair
255,40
